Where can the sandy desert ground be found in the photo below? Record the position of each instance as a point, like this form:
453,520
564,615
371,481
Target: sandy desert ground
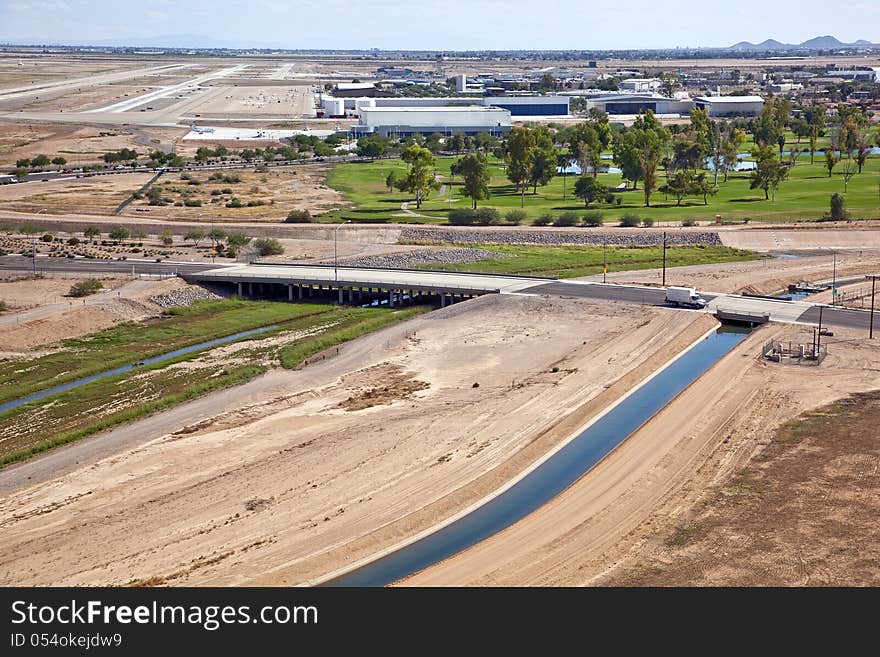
328,465
631,503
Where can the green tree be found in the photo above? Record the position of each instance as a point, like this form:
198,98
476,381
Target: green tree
59,161
420,179
589,189
474,170
543,160
266,246
770,172
166,238
626,156
520,149
392,180
831,160
372,146
669,84
650,139
678,185
41,161
119,233
194,236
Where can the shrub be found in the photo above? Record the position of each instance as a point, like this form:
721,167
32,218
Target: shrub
487,216
618,200
85,288
235,203
461,217
299,217
3,306
166,238
73,241
593,219
216,192
193,203
609,198
688,223
255,204
266,246
630,220
544,220
47,238
226,190
838,210
515,217
566,219
647,222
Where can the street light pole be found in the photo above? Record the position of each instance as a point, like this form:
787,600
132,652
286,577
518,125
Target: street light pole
604,258
335,251
834,279
664,258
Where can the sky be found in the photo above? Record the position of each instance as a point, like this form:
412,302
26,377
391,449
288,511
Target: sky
433,24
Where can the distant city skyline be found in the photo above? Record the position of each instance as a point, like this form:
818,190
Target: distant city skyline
430,24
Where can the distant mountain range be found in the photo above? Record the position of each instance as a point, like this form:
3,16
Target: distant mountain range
826,42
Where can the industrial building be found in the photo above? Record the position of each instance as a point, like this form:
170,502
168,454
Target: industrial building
406,121
731,106
551,105
638,103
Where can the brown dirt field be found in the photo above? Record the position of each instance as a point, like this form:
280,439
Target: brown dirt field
97,195
337,485
78,144
282,189
802,513
622,513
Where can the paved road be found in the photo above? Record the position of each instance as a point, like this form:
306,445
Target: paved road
85,266
797,312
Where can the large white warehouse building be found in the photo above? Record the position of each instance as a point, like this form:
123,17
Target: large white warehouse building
405,121
731,106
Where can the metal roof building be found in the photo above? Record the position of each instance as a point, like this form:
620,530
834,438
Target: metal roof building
731,106
405,121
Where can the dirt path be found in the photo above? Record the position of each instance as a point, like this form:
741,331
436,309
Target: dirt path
635,499
308,470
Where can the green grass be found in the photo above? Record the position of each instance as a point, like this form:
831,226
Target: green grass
67,416
129,343
572,261
805,196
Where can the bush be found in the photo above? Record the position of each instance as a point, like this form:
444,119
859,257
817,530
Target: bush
647,222
593,219
618,200
3,306
609,198
85,288
630,220
267,246
299,217
192,203
487,216
235,203
838,210
47,238
688,223
256,204
461,217
515,217
566,219
73,241
544,220
166,238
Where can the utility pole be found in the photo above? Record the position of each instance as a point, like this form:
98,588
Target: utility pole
335,252
604,258
819,337
834,279
873,278
664,258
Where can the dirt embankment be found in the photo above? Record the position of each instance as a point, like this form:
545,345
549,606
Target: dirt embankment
623,513
42,313
346,457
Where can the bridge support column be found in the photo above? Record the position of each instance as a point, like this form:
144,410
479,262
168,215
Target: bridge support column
340,296
351,295
311,292
240,289
300,288
442,299
290,292
250,289
391,298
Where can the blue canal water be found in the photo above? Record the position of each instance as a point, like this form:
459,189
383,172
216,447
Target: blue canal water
553,476
15,403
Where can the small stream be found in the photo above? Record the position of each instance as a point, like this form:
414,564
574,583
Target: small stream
15,403
556,474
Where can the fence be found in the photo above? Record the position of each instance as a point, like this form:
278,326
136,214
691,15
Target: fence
791,353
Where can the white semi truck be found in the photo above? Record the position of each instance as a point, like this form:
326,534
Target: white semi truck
685,297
